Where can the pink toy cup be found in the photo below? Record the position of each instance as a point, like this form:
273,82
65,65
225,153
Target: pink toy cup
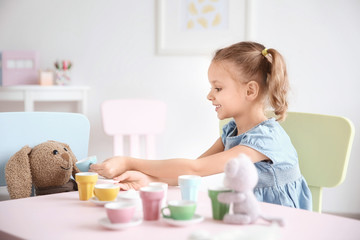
120,212
151,199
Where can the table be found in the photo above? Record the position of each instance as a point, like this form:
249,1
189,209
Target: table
29,94
64,216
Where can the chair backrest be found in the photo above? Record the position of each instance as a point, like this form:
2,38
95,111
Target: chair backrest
18,129
134,123
323,144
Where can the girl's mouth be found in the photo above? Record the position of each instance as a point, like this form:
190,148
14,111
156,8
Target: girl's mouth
217,107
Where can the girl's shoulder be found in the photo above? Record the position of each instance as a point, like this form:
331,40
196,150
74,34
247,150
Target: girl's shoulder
268,138
269,131
271,139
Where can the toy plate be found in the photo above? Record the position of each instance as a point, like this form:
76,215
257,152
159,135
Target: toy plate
98,202
182,223
105,222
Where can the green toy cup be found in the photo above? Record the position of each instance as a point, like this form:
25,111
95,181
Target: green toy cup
179,210
219,209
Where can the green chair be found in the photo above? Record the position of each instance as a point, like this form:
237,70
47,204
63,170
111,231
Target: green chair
323,144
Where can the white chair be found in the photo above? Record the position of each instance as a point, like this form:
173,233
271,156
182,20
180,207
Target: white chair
18,129
136,122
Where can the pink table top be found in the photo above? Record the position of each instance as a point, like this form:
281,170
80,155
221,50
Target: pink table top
64,216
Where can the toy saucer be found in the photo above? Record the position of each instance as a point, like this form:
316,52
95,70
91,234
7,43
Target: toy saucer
98,202
183,223
105,222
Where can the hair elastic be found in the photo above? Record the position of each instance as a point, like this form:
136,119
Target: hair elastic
264,52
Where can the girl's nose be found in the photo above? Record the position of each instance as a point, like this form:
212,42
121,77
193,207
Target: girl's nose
210,97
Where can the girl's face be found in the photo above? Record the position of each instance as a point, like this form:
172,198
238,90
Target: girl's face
227,94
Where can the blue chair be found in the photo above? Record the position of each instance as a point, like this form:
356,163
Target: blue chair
18,129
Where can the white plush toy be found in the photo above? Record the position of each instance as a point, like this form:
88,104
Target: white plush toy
241,176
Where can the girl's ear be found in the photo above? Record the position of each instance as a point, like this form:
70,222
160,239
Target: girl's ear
252,90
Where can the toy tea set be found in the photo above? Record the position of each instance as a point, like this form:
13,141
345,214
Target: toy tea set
50,167
130,208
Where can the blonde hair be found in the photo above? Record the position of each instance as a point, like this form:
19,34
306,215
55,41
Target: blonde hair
266,67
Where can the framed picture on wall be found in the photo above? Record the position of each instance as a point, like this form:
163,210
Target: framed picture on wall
193,27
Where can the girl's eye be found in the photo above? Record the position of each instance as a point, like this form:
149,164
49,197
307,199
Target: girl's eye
55,152
218,89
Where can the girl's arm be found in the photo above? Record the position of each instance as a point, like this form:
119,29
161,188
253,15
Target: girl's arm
136,180
203,166
211,162
117,165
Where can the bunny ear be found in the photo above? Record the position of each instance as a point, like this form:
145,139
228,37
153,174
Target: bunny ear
231,167
18,174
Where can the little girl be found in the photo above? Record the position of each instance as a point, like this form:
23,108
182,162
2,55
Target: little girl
245,78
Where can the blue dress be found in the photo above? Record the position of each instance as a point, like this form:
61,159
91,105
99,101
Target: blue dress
280,181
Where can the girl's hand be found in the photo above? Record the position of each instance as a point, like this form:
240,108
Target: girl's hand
111,167
133,180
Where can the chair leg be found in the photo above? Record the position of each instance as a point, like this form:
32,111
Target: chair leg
118,146
316,198
150,147
135,145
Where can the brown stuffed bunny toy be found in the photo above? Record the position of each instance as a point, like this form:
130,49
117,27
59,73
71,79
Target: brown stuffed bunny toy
48,166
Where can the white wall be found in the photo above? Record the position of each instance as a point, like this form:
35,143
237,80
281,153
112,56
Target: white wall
112,45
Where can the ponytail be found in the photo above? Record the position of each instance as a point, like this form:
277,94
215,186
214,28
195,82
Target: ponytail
278,84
